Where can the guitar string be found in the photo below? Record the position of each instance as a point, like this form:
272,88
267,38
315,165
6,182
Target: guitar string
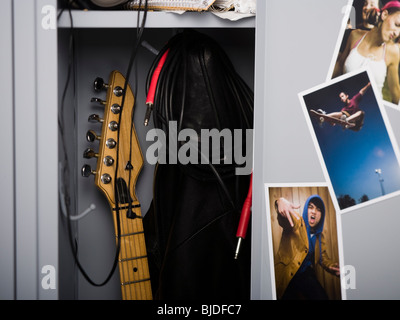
124,270
139,35
136,287
135,225
129,252
129,222
119,222
128,226
118,192
134,229
125,227
124,265
137,244
130,264
144,262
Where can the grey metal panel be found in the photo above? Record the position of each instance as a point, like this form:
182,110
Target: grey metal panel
25,149
293,54
259,267
36,151
7,168
47,145
370,243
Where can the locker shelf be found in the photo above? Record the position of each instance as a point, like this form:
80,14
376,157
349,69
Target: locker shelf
128,19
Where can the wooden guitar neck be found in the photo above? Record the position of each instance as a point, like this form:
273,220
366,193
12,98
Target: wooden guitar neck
120,161
133,264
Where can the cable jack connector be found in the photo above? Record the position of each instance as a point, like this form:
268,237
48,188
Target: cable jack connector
148,114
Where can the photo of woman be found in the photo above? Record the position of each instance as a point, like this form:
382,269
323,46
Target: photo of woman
376,48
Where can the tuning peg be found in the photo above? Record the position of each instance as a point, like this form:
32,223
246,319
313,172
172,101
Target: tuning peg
116,108
89,153
99,101
87,171
106,178
113,126
95,118
118,91
99,84
91,136
108,161
111,143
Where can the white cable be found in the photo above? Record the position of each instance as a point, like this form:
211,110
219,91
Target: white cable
149,47
91,208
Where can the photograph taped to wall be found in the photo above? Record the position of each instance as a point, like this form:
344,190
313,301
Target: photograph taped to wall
354,141
304,250
370,36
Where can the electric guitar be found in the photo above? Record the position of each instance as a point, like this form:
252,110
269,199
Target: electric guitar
119,162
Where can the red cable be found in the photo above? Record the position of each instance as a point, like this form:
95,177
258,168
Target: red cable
244,217
154,79
246,211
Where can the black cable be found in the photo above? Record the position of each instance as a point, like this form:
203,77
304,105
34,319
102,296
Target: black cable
71,65
71,70
185,62
174,69
209,88
135,49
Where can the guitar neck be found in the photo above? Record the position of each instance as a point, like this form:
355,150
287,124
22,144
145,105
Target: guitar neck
133,264
120,160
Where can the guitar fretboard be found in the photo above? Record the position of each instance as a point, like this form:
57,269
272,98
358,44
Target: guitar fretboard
133,264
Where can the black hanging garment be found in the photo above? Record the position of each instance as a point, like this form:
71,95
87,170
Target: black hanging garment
191,225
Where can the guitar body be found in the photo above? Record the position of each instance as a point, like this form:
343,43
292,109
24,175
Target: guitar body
120,161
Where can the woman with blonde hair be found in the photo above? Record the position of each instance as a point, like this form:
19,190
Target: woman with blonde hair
376,49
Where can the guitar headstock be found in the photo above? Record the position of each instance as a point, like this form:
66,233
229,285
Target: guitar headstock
119,159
